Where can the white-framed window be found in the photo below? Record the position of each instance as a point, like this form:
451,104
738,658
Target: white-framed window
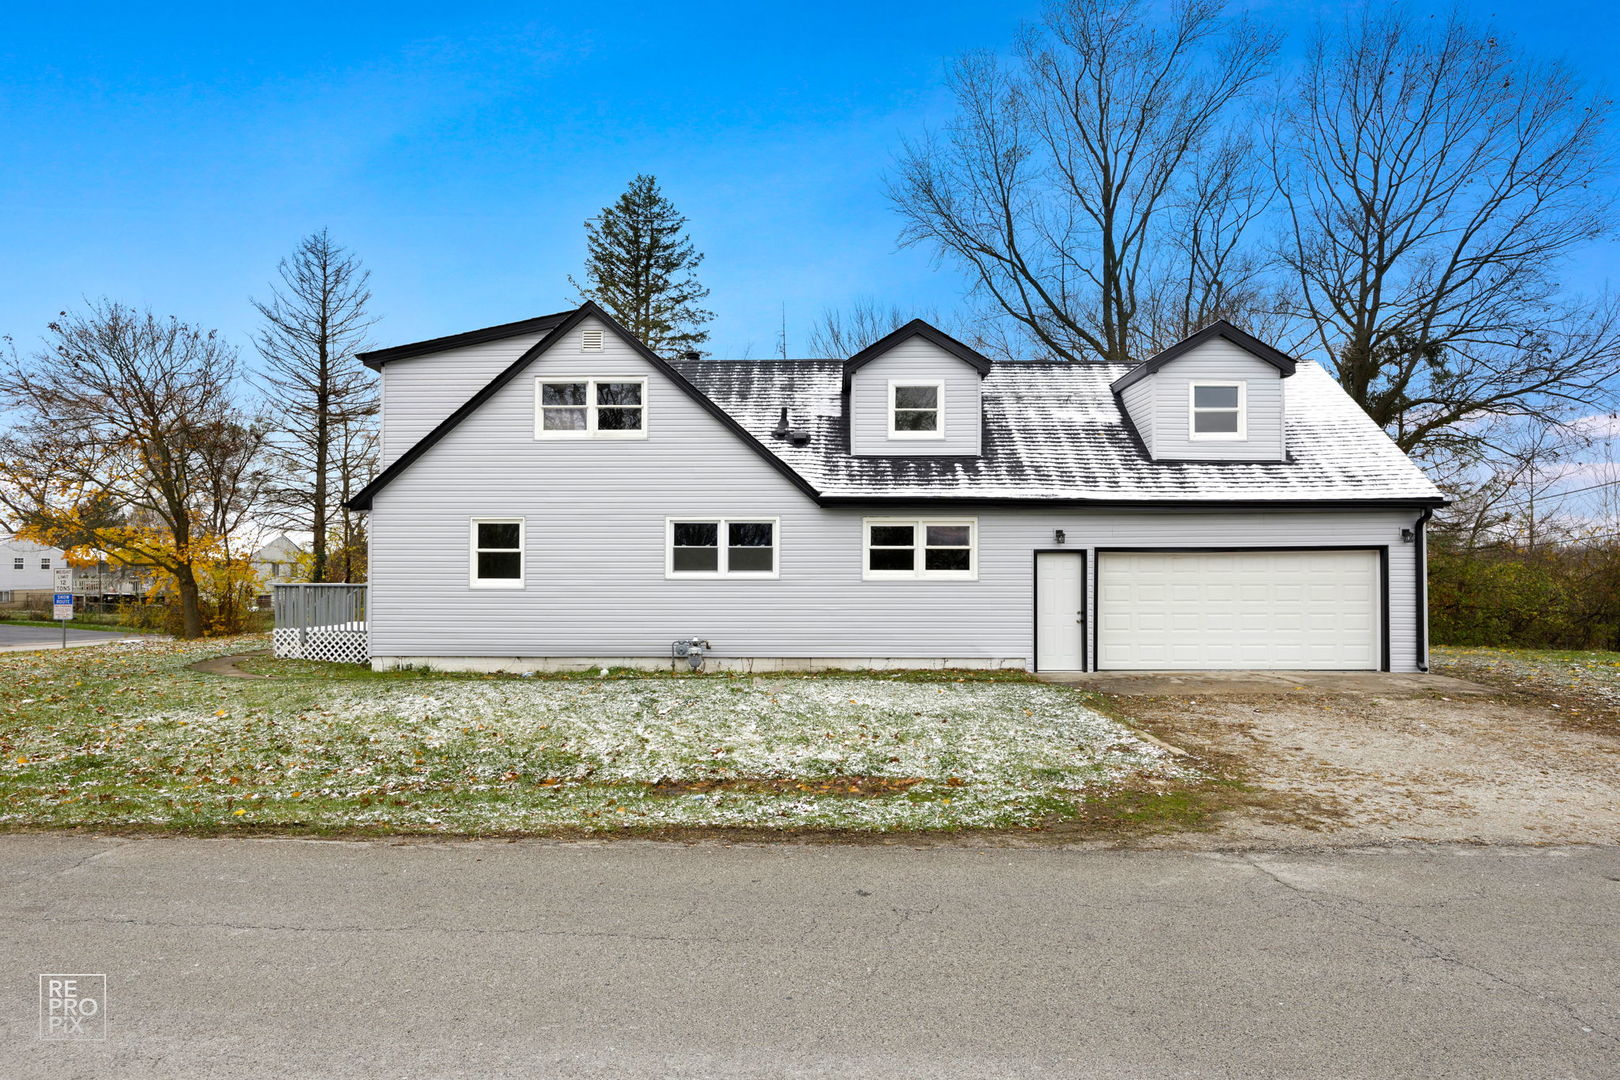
921,548
17,563
580,408
721,547
496,553
45,564
916,408
1218,410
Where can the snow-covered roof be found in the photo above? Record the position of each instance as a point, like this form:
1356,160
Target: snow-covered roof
1055,431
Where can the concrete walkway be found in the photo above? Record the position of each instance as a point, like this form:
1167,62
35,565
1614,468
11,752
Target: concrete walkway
243,958
226,665
1245,683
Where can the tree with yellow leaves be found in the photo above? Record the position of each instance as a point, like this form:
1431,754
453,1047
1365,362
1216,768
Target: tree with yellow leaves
127,439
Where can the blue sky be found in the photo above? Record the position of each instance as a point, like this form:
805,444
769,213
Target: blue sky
170,159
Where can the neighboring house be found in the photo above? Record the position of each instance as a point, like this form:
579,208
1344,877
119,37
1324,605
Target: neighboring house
555,495
27,574
27,570
276,562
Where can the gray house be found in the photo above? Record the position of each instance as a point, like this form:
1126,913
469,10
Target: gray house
555,495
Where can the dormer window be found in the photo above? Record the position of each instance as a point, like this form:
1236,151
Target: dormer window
914,409
1218,410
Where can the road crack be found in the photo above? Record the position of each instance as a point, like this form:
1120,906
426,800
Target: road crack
1347,905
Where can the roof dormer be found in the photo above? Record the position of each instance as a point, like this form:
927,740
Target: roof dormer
915,393
1215,396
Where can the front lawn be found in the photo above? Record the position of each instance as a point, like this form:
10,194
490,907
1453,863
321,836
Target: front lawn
127,736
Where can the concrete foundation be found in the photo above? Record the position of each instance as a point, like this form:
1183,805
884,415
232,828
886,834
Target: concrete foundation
745,664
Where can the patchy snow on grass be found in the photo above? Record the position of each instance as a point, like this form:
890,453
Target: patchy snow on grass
1592,675
180,748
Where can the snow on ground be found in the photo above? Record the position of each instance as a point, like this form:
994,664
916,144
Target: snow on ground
160,745
983,753
1594,676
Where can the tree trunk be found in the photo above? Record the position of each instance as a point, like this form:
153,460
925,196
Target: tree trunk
323,429
190,603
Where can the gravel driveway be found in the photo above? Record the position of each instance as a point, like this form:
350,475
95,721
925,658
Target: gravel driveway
1537,761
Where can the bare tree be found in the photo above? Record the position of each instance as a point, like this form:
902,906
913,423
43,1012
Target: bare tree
314,323
845,332
1209,267
1061,177
356,458
127,439
1436,180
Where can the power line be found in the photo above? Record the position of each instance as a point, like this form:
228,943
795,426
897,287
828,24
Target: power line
1555,495
1520,543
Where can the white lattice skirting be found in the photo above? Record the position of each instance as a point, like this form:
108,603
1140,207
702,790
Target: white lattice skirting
315,643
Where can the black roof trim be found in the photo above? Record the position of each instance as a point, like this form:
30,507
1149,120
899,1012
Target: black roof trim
916,328
362,501
376,358
1142,504
1218,329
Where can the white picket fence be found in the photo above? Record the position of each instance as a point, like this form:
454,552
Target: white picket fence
321,622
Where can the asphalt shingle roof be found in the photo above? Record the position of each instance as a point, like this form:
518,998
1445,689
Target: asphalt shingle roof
1054,431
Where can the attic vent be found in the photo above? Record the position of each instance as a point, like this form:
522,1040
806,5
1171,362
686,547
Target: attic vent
590,340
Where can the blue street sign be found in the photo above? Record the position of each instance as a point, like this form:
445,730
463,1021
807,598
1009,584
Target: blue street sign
63,598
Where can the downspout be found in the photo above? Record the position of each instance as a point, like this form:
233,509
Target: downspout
1422,577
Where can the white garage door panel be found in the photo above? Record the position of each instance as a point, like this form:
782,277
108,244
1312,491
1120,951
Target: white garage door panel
1227,609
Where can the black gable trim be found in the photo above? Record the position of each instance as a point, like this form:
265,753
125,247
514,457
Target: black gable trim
1219,329
363,500
378,357
916,328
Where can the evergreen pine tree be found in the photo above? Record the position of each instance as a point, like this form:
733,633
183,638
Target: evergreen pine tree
641,268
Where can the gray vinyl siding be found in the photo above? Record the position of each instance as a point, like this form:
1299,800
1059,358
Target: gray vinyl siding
420,391
1216,361
917,359
1137,399
595,535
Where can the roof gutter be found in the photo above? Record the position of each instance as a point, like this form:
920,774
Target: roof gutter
1127,504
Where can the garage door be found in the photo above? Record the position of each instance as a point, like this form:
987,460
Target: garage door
1194,610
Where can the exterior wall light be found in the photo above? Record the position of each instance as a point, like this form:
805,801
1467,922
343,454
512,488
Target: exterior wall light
1058,536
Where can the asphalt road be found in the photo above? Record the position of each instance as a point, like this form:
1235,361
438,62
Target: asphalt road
23,638
320,959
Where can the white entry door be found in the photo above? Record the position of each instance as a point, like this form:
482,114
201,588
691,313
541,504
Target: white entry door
1060,611
1200,610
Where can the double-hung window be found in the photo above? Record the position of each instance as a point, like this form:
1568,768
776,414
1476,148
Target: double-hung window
497,553
1218,410
916,409
721,547
45,564
613,408
17,563
943,548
